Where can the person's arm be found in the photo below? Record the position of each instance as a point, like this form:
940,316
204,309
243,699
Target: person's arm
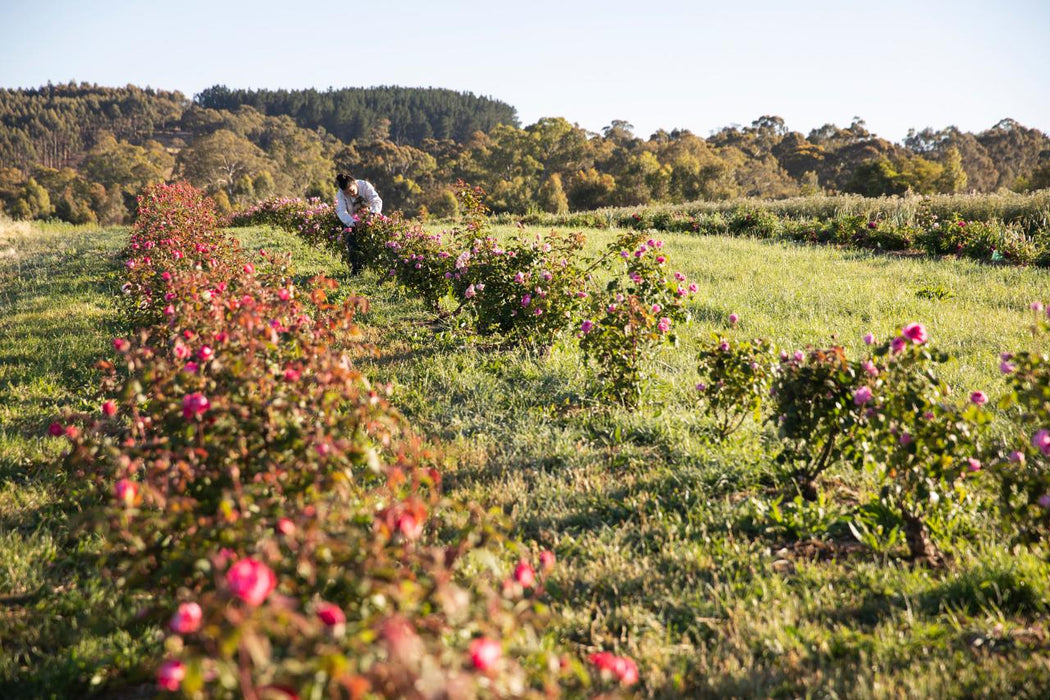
371,197
341,209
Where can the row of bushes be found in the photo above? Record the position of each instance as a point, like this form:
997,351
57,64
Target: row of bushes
261,500
1030,211
525,289
1012,229
890,413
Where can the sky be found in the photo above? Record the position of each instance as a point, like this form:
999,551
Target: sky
656,64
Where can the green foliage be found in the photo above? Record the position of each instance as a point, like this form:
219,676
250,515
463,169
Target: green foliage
1023,458
735,378
814,412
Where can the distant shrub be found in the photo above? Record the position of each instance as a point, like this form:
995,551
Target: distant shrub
735,377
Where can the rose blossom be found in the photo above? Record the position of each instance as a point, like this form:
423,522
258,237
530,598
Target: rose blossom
187,619
330,614
869,338
733,318
251,581
109,407
1041,441
915,332
664,325
624,668
862,395
170,675
525,574
485,653
979,398
126,490
194,405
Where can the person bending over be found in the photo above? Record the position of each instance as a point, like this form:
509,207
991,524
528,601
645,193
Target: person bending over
355,199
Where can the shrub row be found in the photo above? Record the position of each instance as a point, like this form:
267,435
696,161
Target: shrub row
262,500
522,290
1011,229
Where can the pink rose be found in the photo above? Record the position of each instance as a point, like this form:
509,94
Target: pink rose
897,344
915,332
664,325
109,407
194,405
126,491
525,574
869,338
1041,441
862,395
733,318
622,667
251,581
187,619
587,326
485,653
979,398
330,614
170,675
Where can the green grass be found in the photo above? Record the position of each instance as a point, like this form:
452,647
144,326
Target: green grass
664,551
61,629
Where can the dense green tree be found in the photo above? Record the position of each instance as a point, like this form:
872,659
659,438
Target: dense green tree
33,202
216,161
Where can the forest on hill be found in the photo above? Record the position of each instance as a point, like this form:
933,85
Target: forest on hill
81,152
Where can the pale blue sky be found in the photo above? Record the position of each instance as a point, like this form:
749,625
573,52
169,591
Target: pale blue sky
696,65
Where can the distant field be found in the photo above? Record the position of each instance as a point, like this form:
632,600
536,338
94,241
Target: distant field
666,547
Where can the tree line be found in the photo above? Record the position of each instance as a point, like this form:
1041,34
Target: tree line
80,153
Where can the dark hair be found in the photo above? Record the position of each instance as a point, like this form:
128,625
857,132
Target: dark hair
342,180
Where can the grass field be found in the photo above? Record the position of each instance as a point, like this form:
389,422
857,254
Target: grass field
61,628
667,549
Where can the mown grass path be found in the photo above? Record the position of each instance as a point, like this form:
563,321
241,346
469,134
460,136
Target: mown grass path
666,546
60,630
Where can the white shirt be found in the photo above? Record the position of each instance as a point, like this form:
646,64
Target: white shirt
344,208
